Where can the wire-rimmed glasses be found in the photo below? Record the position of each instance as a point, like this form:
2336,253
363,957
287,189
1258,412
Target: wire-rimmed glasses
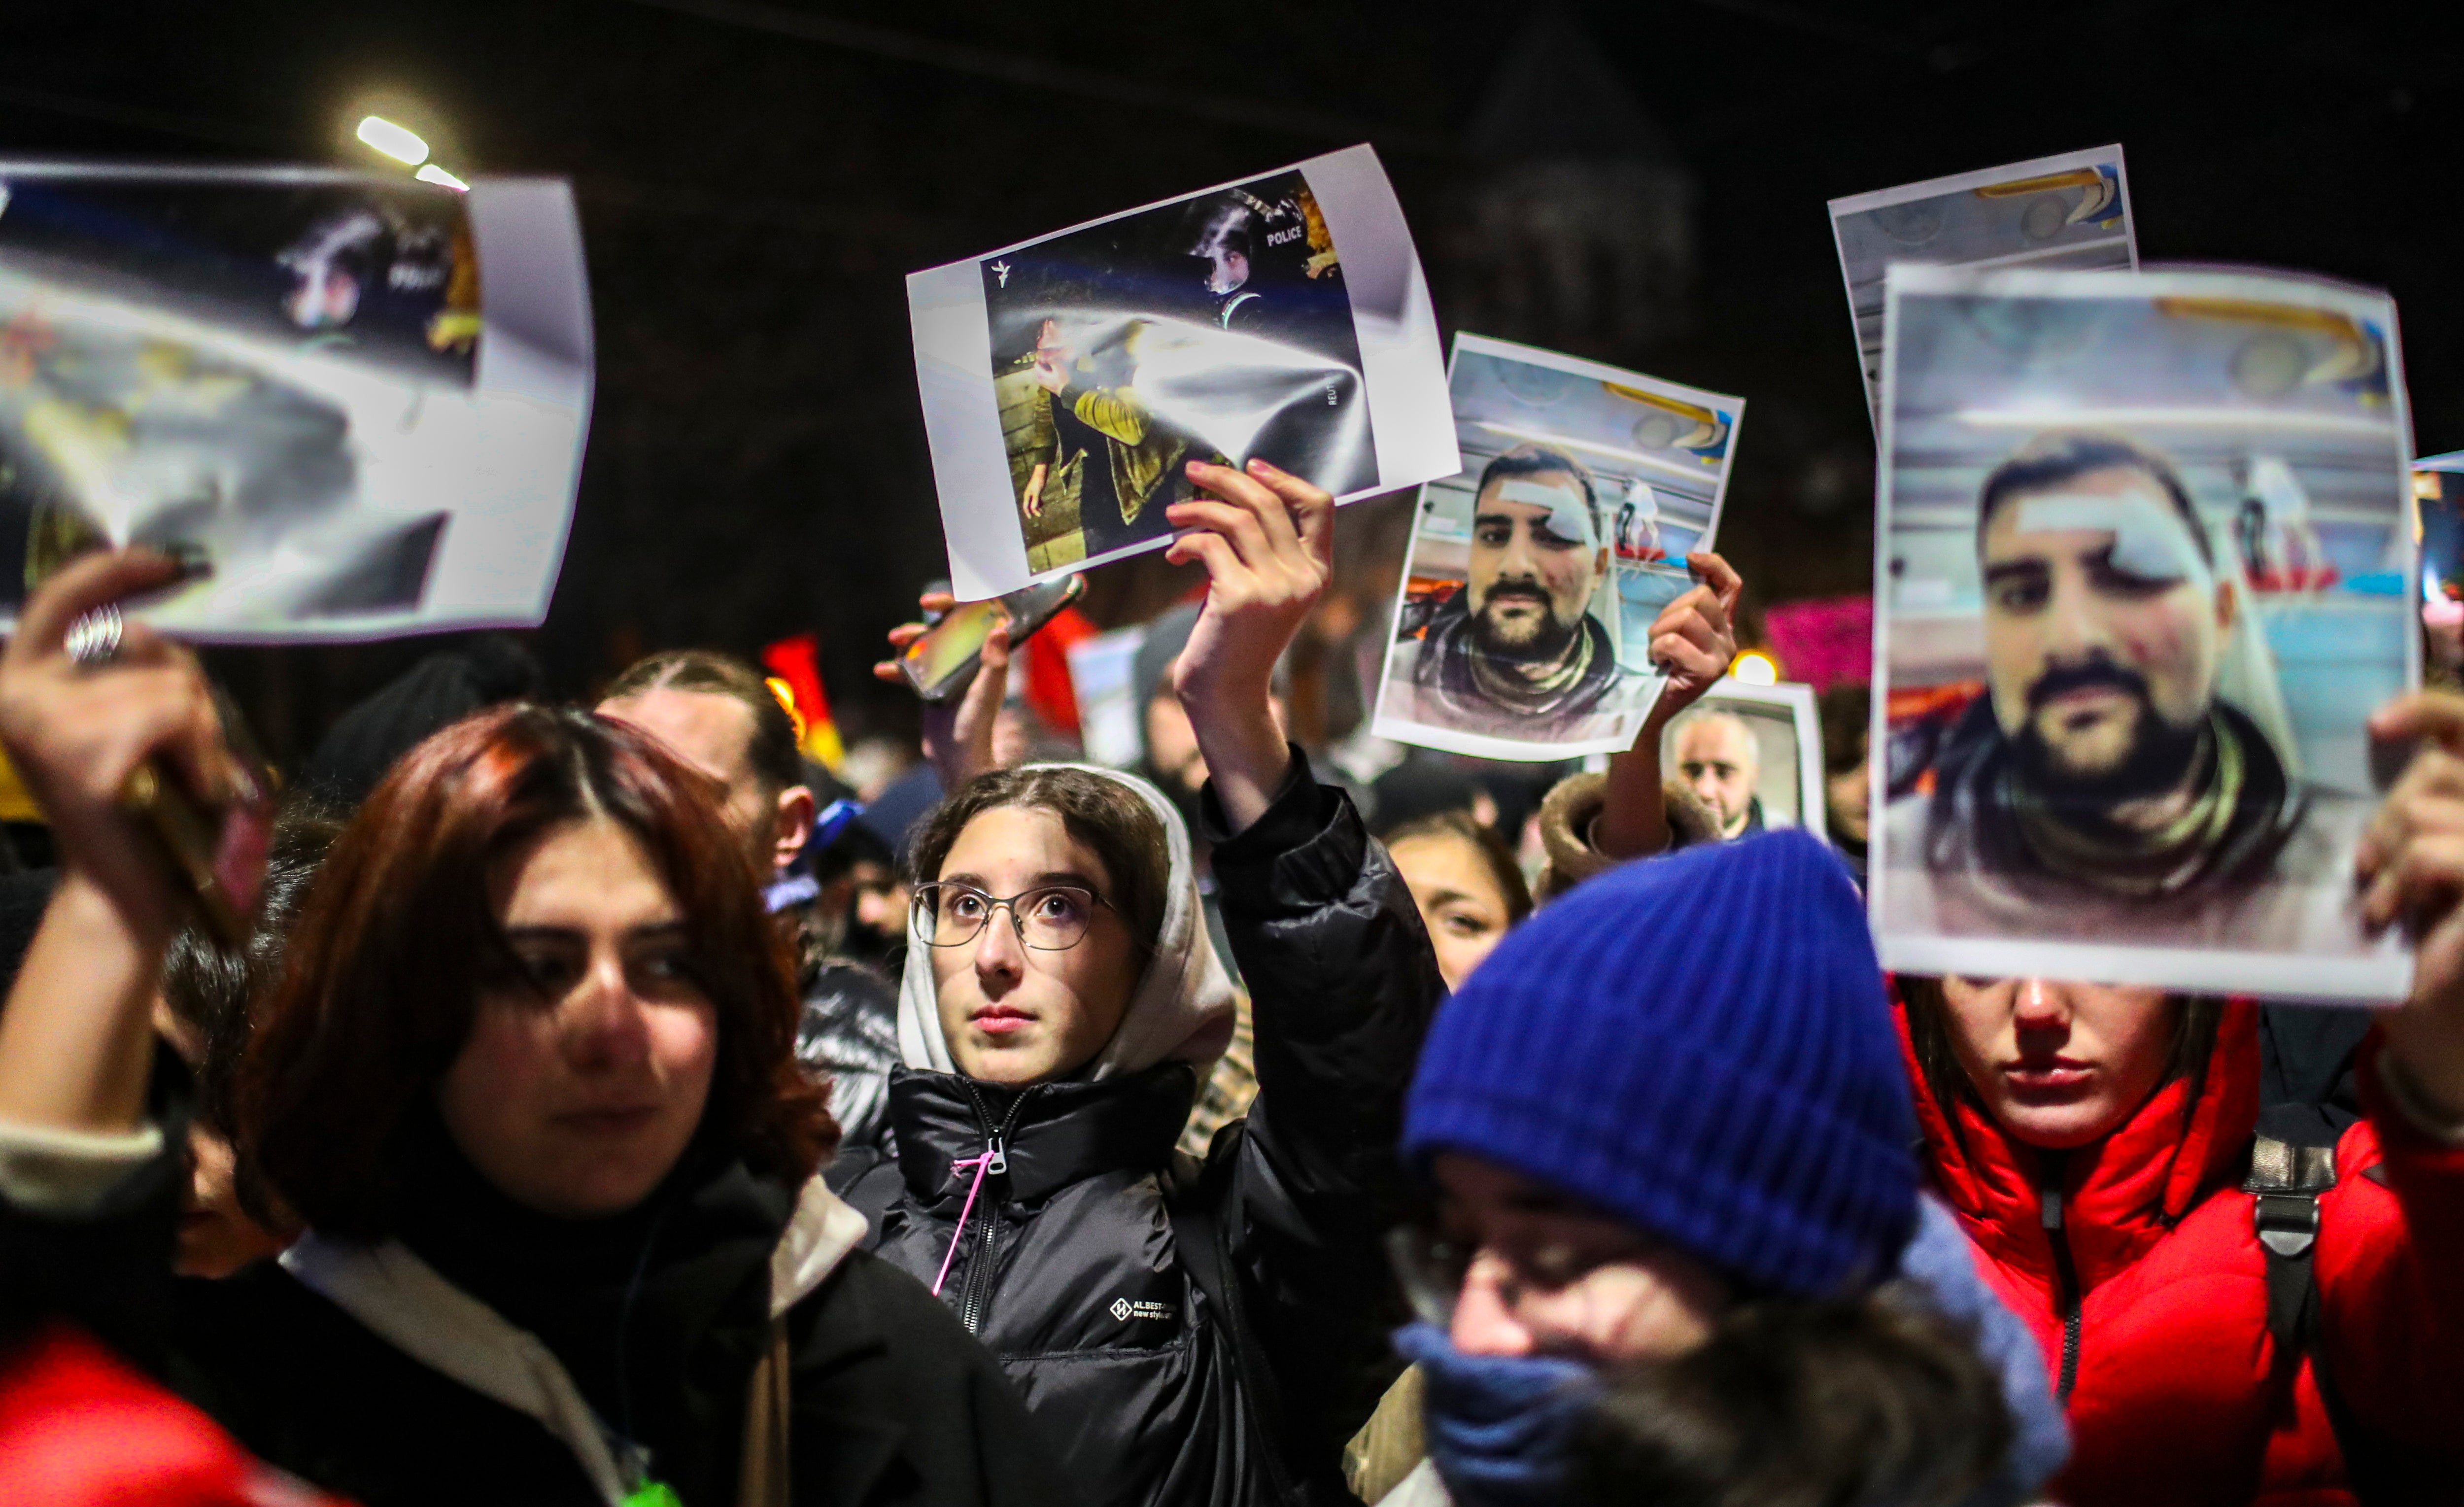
1049,917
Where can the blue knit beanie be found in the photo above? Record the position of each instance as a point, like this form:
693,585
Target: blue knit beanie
1699,1044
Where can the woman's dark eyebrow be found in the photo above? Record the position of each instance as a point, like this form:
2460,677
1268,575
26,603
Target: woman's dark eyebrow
542,933
1064,877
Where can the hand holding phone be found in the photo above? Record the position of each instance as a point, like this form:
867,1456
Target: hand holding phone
127,750
941,661
959,665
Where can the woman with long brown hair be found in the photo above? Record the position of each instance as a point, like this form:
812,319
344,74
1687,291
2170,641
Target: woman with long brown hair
528,1080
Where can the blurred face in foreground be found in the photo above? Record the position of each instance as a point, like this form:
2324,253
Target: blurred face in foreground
1551,1275
1036,997
1464,911
590,1052
2059,1064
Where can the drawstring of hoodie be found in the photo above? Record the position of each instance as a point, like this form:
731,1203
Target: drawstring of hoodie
991,1160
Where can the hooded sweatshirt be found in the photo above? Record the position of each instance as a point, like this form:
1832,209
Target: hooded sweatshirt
1053,1218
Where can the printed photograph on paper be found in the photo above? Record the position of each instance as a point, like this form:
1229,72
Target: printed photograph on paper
2148,550
274,373
2071,212
1069,381
1753,754
1521,630
1217,330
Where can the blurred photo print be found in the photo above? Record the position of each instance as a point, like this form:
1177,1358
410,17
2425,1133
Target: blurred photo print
1753,755
1535,572
290,377
1068,381
2071,212
2146,547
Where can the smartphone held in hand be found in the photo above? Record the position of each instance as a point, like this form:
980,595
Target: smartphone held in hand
940,664
215,854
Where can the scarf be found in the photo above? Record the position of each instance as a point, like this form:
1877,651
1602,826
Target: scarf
1471,678
2139,865
1501,1430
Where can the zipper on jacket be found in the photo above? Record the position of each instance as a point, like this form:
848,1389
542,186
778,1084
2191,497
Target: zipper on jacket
979,1289
2066,1274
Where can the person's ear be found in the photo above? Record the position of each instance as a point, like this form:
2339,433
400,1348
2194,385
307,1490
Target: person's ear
2228,606
792,825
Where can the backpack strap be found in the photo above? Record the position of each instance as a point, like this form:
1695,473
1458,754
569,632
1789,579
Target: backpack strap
2292,1163
1194,1196
2284,1182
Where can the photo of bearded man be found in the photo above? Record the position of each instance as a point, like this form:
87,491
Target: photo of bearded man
1518,651
2103,782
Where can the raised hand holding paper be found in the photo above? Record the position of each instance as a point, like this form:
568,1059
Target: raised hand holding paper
1536,569
1069,381
2071,211
2147,548
359,401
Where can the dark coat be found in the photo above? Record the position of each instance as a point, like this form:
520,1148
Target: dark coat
891,1403
1073,1270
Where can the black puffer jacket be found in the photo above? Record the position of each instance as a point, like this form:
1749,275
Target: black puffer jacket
657,1315
1075,1268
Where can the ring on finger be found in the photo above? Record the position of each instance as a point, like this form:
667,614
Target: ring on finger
94,640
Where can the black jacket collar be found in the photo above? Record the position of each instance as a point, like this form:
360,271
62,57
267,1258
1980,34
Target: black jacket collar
1058,1133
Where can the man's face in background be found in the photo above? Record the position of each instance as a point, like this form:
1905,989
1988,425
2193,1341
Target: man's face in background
2104,631
1720,762
1534,565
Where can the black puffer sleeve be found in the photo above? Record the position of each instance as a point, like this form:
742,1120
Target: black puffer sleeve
1342,984
106,1267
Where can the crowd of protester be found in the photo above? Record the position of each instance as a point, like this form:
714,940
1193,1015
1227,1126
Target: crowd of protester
586,1120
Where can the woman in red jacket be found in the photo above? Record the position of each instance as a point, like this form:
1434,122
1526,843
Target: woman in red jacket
2094,1143
2097,1143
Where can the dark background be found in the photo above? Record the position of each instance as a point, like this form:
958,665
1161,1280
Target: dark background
1640,181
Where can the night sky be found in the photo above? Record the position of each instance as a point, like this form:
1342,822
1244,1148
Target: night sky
754,179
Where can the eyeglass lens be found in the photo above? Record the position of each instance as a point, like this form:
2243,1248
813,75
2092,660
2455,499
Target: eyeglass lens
1052,919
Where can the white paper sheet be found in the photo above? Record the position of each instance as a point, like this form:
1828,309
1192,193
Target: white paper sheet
362,399
2092,765
1528,645
1067,380
1753,753
2071,211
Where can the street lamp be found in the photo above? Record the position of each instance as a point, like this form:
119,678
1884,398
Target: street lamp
404,145
397,141
1753,667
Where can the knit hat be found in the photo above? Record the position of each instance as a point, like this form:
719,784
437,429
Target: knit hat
1701,1045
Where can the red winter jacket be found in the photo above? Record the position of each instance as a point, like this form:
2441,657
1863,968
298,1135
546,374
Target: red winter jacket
2177,1397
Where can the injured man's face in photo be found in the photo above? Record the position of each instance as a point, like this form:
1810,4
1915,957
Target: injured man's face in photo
2104,631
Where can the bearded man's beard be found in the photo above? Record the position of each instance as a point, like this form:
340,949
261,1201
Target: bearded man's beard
2158,760
1549,639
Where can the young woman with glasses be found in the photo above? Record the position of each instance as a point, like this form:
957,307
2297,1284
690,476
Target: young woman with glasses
1185,1331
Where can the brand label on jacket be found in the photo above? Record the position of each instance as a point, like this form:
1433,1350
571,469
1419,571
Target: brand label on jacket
1125,1309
